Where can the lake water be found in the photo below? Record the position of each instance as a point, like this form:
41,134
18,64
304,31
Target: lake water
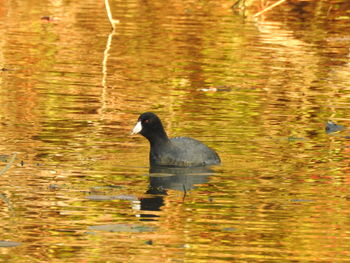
76,186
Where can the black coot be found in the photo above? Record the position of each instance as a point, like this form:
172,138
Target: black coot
178,151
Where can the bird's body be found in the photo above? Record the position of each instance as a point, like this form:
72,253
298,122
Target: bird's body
177,151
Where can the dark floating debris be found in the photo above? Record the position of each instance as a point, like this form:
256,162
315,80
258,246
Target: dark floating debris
332,127
301,200
49,18
294,139
4,158
149,242
111,197
9,244
54,187
127,228
229,229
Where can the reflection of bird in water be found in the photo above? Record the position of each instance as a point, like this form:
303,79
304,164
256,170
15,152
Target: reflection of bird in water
177,178
181,179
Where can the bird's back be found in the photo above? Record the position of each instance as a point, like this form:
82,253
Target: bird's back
185,152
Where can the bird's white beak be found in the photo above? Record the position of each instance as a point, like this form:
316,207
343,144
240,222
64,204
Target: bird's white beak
137,128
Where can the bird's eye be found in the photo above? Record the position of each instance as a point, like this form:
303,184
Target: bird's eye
146,121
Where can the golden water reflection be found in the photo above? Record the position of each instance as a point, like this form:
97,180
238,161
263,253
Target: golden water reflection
260,93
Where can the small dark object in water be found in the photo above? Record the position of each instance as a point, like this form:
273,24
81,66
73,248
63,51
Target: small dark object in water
175,152
4,157
49,18
53,187
149,242
332,127
229,229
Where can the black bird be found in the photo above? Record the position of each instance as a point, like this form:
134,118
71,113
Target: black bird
175,152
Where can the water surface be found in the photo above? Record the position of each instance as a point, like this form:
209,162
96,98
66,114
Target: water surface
259,92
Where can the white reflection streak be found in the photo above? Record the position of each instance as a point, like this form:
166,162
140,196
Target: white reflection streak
106,52
109,14
105,58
